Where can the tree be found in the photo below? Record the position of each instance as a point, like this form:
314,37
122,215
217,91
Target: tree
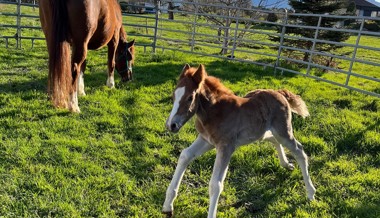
272,17
224,13
332,7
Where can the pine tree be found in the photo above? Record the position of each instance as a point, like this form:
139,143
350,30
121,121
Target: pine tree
332,7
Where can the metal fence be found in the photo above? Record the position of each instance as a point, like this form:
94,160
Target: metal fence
243,34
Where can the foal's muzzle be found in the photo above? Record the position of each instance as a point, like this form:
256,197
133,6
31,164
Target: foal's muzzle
174,125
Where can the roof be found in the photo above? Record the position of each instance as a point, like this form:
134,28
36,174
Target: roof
364,3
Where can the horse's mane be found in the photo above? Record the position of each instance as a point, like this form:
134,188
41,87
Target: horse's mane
132,49
212,88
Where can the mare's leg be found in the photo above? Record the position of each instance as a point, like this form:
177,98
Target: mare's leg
284,135
79,56
281,154
199,147
219,172
81,79
111,63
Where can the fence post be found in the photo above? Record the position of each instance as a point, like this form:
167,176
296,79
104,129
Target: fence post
194,28
285,22
235,36
157,6
354,53
313,47
18,34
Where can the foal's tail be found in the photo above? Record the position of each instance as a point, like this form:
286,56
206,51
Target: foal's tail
59,79
296,103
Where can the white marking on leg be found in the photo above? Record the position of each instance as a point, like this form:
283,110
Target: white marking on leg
219,173
81,85
111,81
178,94
302,160
297,151
197,148
281,153
283,159
73,103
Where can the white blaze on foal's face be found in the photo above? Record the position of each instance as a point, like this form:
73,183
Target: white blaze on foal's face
178,94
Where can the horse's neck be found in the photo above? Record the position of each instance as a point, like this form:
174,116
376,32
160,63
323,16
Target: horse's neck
203,106
212,96
207,99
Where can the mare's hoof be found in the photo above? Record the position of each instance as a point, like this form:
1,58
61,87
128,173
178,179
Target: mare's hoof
74,109
168,214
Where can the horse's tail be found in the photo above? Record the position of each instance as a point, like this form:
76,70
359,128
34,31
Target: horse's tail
59,79
296,103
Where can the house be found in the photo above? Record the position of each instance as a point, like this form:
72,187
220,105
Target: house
367,8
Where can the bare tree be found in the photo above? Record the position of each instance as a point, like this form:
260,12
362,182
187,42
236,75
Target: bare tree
224,13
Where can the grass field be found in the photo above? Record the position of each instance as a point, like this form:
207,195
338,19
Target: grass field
115,158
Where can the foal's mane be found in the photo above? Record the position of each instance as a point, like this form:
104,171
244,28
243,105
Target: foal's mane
212,88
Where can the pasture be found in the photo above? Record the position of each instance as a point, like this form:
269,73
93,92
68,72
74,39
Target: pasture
115,158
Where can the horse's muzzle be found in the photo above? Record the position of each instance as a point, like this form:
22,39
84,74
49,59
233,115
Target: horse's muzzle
173,126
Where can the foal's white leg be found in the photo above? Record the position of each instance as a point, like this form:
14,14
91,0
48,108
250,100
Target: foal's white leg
110,81
302,160
81,85
297,150
219,172
281,154
199,147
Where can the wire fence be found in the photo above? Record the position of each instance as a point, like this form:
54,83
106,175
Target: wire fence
269,38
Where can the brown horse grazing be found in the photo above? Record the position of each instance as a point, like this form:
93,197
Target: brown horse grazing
83,25
226,121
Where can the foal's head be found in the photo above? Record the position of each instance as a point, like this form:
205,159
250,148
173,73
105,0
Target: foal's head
125,56
186,97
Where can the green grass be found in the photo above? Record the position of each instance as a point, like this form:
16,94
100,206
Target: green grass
115,158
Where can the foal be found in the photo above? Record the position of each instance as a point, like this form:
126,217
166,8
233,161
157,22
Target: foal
227,121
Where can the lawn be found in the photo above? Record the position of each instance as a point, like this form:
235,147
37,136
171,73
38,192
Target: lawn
115,158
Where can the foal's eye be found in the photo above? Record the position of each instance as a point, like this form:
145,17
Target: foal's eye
190,98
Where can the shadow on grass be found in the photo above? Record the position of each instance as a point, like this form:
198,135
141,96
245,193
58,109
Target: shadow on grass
158,73
23,86
355,143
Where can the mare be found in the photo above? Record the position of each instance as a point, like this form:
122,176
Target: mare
225,121
71,27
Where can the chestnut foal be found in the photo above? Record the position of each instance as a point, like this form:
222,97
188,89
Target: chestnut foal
227,121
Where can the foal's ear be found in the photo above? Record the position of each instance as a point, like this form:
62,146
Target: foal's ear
200,74
185,68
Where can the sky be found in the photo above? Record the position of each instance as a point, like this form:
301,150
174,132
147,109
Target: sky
284,3
376,2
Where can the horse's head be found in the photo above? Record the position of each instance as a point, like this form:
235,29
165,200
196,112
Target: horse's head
186,97
125,56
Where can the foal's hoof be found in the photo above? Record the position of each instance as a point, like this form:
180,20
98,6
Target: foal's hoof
311,194
290,167
311,197
168,214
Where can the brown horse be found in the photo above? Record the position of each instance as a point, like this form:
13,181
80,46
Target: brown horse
82,25
226,121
